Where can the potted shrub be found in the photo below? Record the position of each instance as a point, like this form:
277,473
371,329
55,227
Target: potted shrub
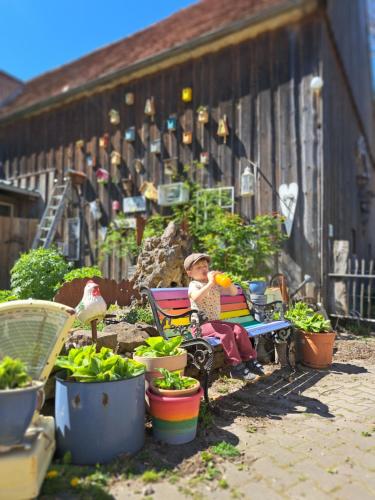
161,353
18,400
316,335
174,407
99,405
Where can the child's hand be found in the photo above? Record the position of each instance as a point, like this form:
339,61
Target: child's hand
211,277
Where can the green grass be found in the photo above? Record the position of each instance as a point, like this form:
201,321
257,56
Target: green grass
225,449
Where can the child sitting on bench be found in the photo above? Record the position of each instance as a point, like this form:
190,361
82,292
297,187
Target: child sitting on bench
204,295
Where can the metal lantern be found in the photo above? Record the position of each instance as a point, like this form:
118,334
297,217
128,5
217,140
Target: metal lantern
248,182
222,129
114,117
129,98
115,158
187,94
150,107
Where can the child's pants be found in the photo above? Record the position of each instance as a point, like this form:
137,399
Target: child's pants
234,338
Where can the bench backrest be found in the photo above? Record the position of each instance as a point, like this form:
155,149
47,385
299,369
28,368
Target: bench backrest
175,301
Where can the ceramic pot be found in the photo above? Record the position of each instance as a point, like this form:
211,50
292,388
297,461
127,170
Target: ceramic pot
317,349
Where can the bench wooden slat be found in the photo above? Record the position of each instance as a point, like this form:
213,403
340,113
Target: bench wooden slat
234,314
171,293
173,311
232,299
232,306
175,304
178,322
244,320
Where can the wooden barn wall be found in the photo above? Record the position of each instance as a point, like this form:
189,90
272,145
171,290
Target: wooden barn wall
349,20
342,193
262,86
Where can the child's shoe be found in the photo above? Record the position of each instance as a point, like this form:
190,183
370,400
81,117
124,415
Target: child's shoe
242,372
254,366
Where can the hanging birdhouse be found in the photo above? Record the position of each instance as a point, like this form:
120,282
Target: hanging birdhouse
114,117
202,114
187,94
222,129
150,107
204,157
80,144
102,175
172,194
138,165
171,124
115,158
104,141
130,134
90,160
170,167
116,206
247,182
127,185
187,137
155,146
149,191
129,98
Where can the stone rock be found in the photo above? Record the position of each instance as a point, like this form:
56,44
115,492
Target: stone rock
80,338
130,336
160,264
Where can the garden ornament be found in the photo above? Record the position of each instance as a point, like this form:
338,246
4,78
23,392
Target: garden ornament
288,194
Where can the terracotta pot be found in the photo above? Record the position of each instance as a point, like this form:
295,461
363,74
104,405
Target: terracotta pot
174,393
171,363
317,349
174,420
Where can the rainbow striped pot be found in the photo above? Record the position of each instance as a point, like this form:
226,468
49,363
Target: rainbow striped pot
174,420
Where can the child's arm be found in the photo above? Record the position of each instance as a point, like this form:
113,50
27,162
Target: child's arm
197,295
232,289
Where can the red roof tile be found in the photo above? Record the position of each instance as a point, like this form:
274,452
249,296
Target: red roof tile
205,17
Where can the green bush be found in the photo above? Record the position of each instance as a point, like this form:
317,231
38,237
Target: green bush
7,296
139,314
37,272
80,272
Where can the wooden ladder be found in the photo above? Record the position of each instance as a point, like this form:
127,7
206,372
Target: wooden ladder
52,216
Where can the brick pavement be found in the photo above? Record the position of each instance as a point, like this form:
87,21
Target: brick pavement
315,439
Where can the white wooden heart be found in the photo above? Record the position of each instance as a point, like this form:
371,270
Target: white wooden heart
288,194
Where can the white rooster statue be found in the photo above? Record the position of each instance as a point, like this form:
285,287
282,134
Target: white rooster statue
92,306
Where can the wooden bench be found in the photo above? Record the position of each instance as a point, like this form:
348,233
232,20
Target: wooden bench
172,316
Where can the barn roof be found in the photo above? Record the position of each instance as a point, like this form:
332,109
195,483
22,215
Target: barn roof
198,23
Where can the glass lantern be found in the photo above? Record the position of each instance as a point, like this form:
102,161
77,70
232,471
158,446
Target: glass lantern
247,182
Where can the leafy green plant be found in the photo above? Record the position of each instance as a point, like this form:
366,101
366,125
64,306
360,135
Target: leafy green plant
158,347
7,296
83,272
13,374
173,380
306,319
37,272
139,314
84,364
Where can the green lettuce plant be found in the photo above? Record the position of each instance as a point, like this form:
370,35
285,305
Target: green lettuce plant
7,296
13,374
305,318
158,347
84,364
173,380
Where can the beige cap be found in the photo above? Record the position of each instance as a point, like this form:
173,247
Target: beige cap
193,258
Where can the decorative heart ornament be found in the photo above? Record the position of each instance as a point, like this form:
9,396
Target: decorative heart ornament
288,194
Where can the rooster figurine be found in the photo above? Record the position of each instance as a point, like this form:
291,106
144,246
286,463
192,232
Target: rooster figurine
92,305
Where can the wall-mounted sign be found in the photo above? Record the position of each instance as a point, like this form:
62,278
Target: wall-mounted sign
134,204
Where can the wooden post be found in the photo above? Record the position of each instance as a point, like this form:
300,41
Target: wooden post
94,331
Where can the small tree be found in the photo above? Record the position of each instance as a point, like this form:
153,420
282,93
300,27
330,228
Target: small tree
37,272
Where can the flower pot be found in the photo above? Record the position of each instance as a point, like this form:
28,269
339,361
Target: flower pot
317,349
174,393
257,287
17,407
174,419
171,363
97,421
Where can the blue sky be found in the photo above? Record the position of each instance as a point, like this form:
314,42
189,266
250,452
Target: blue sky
39,35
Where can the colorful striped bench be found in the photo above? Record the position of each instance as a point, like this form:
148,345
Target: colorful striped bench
172,313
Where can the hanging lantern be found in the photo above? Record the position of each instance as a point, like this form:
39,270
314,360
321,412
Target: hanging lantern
150,107
222,129
187,94
202,114
116,206
130,134
171,123
102,175
114,117
115,158
129,98
187,137
248,182
104,141
138,165
204,157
